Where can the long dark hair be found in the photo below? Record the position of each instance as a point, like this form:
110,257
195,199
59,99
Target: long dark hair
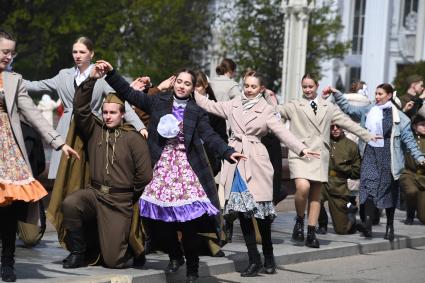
389,89
201,78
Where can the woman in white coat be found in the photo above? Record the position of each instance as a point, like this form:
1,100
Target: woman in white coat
65,83
310,120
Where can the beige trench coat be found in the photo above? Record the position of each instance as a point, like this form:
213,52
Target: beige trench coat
19,103
247,130
314,131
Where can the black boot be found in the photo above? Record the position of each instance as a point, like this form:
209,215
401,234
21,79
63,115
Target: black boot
192,267
174,265
139,261
77,246
410,216
311,240
228,231
255,266
8,273
389,232
298,233
323,230
269,264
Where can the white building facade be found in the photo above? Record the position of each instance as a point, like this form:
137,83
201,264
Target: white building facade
385,35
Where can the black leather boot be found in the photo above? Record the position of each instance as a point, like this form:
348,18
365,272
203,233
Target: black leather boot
269,264
252,270
298,233
174,265
139,261
8,273
228,231
311,240
192,267
77,246
389,232
410,216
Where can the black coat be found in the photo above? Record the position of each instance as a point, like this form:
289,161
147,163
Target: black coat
196,126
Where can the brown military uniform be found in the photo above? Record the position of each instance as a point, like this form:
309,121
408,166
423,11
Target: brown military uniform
412,183
120,167
344,164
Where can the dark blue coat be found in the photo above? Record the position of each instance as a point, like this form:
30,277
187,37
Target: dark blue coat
196,126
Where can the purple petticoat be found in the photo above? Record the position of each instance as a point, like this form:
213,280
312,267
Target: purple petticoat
181,213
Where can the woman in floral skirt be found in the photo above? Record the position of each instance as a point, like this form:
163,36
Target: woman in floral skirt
182,195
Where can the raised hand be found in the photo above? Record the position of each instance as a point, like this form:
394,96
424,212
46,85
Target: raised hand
139,83
167,84
97,72
104,66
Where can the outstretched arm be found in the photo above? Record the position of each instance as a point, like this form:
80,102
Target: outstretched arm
219,109
122,87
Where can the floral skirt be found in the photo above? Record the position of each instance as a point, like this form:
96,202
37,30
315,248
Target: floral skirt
175,193
244,203
16,180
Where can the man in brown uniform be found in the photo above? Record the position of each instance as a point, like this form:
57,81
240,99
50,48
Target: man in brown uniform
344,164
120,167
412,180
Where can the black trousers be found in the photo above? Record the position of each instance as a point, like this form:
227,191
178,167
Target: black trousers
166,233
248,231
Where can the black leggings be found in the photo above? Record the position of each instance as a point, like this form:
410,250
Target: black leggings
370,211
8,228
264,225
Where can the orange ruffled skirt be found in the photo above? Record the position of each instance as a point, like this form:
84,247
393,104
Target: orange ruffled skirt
16,180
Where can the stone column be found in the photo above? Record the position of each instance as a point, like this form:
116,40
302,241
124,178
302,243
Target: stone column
420,32
377,27
297,13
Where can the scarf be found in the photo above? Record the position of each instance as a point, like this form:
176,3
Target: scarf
374,122
248,103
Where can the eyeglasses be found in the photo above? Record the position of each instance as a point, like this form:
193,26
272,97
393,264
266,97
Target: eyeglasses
12,53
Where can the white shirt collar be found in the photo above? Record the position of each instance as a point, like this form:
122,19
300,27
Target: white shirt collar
81,77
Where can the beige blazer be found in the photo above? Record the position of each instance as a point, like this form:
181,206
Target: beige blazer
247,130
314,131
19,103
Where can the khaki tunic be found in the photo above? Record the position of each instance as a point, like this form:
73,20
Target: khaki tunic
412,182
118,158
344,163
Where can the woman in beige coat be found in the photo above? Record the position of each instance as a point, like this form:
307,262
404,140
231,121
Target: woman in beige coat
19,191
251,118
310,120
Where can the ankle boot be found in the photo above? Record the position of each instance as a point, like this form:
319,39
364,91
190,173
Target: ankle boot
77,246
192,267
255,266
8,273
228,231
311,240
298,233
174,265
410,216
269,264
139,261
389,232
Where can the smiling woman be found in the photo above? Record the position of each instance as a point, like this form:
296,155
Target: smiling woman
182,195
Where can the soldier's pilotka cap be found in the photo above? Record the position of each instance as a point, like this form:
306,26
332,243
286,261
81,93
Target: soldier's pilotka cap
113,98
413,79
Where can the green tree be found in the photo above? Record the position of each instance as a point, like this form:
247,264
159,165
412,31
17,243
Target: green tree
138,36
403,73
256,38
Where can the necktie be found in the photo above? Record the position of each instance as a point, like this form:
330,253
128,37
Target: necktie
314,106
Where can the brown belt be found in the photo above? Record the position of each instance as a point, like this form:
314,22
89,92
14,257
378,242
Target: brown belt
110,190
333,173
